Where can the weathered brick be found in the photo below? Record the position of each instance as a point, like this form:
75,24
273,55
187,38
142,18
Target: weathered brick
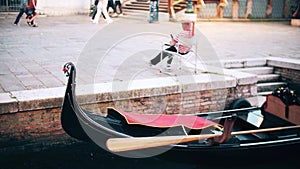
287,74
31,124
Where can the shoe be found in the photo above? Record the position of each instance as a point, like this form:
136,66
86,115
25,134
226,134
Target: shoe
114,15
121,14
108,21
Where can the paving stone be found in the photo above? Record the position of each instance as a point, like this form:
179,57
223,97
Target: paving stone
127,45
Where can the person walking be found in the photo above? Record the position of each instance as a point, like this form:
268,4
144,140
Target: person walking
23,6
154,9
95,11
31,13
118,3
93,14
102,8
111,4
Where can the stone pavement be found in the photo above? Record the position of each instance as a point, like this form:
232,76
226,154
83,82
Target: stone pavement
32,58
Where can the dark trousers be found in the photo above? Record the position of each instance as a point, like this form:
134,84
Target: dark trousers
112,5
19,15
163,55
118,3
95,12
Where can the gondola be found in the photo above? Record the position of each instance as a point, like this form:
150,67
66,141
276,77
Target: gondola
241,133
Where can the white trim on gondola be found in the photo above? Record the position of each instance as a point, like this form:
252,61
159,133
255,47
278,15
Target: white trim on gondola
269,142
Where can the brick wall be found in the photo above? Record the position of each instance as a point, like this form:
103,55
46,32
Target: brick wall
288,74
29,126
44,124
183,103
287,68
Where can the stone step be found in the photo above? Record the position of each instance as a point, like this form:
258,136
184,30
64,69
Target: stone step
143,8
260,70
148,3
133,11
244,63
135,14
268,78
263,87
264,93
143,5
141,15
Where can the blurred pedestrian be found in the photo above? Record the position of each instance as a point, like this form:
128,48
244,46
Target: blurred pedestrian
31,13
154,9
111,4
93,13
118,3
23,6
296,13
102,8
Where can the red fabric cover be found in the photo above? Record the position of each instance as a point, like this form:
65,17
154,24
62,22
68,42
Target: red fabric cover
162,120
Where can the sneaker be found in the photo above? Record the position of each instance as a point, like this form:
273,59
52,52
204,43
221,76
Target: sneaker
114,15
108,21
121,14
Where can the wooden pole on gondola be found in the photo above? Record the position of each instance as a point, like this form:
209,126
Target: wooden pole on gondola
135,143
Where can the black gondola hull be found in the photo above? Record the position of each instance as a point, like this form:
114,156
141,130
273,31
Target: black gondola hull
83,125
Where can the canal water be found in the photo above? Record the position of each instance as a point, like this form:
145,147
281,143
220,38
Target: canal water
89,156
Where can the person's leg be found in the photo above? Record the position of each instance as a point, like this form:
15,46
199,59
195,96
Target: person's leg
19,16
32,19
163,55
98,13
94,13
114,7
159,57
28,19
34,16
108,5
117,5
105,13
120,7
170,57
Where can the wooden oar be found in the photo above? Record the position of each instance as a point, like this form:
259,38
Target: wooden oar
135,143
